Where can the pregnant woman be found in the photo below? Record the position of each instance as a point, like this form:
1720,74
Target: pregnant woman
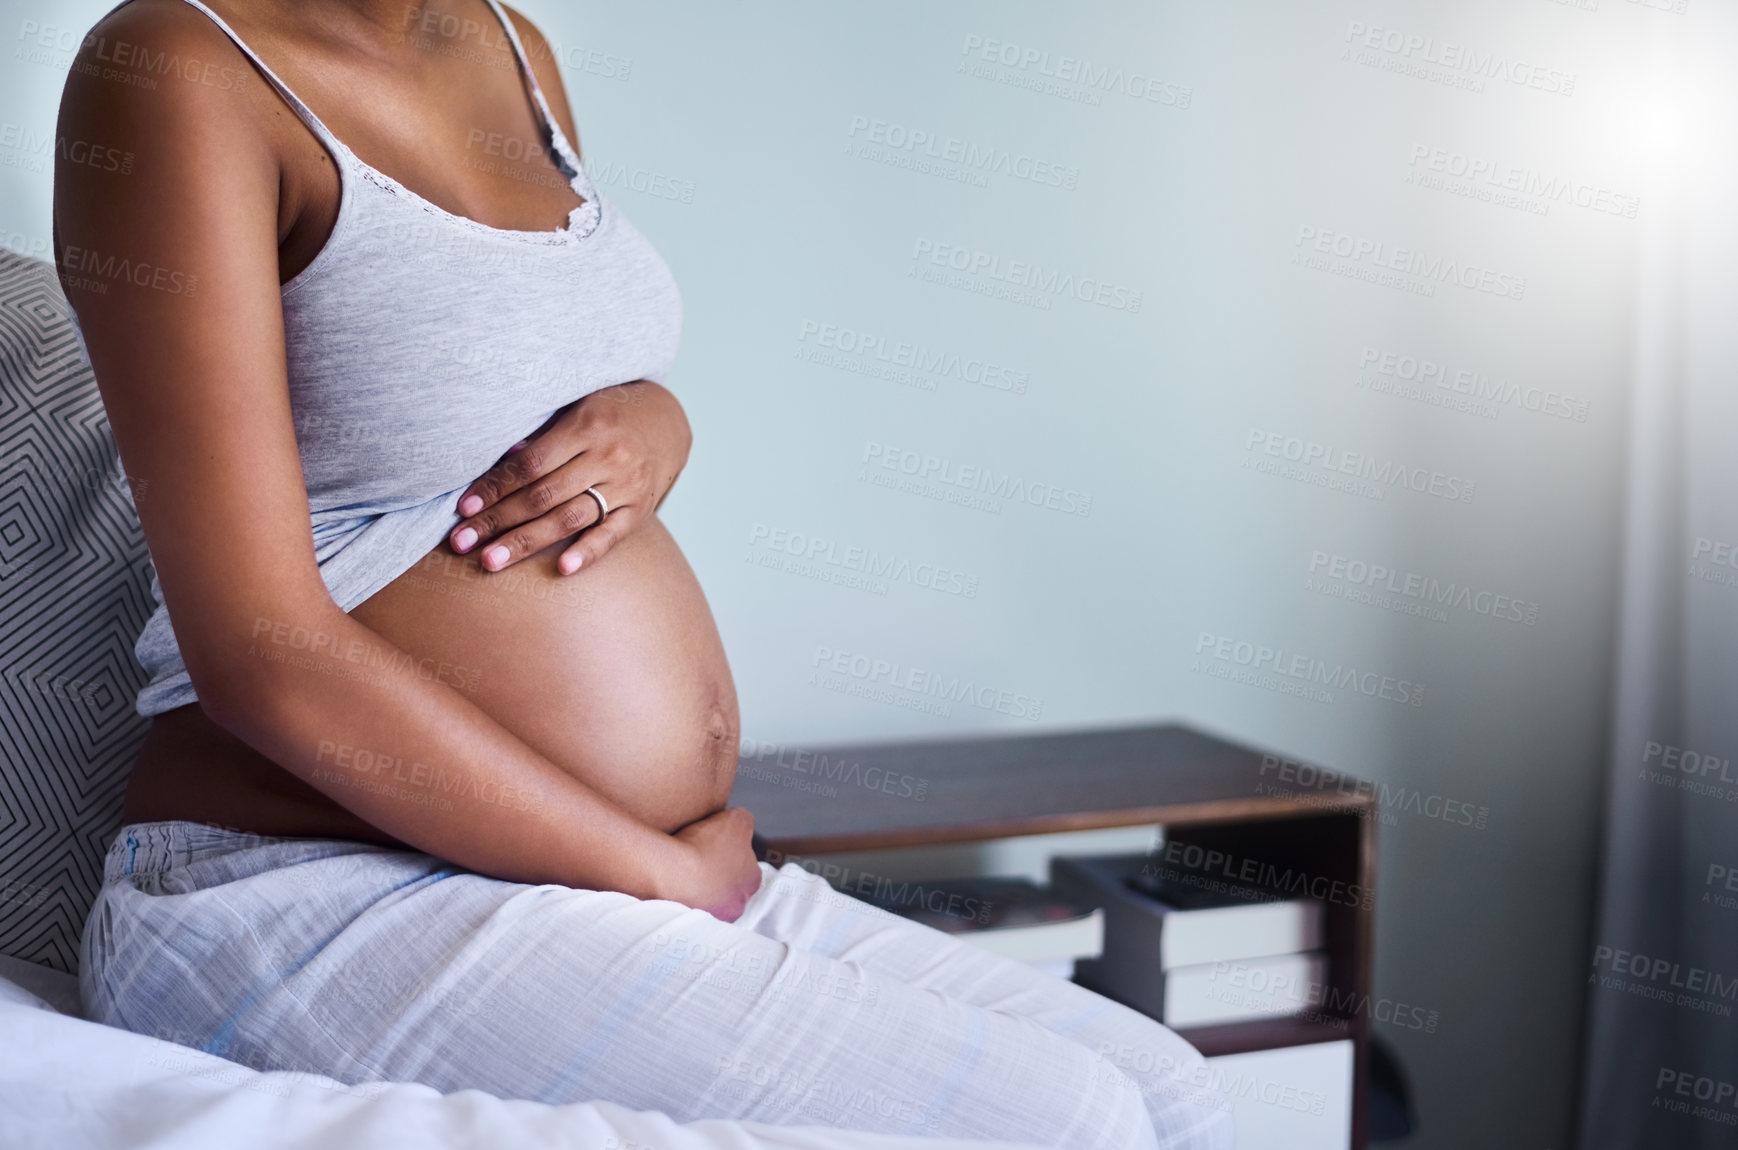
443,730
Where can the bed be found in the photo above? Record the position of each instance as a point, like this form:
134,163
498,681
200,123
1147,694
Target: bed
68,1082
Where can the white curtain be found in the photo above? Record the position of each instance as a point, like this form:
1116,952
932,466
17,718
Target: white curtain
1662,1040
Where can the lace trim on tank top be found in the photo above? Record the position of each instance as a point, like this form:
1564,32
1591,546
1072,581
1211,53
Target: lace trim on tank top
582,220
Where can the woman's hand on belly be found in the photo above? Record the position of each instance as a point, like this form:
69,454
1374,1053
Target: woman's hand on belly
628,443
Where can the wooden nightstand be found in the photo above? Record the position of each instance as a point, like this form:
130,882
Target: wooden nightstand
1204,791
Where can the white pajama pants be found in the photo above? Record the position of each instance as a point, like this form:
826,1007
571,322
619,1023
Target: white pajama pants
369,964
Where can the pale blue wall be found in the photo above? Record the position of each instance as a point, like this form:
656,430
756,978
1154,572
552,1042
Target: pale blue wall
783,223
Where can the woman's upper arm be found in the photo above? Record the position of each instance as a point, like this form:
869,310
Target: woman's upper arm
172,268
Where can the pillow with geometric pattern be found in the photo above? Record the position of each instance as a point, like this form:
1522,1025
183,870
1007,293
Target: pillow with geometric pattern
75,590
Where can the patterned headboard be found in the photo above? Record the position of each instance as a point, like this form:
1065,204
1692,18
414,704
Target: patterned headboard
75,589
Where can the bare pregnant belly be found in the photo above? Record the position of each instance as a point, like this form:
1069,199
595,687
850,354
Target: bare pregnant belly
615,673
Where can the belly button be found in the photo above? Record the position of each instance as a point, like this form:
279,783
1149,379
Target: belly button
720,739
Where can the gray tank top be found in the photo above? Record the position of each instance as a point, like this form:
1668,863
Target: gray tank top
422,345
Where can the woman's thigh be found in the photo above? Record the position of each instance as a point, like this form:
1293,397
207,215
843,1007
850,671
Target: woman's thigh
801,909
385,965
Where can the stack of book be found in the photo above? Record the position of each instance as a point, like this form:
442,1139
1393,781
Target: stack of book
1012,917
1187,952
1192,952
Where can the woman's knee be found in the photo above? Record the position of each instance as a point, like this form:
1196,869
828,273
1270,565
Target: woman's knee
1180,1115
1116,1104
1188,1117
1175,1085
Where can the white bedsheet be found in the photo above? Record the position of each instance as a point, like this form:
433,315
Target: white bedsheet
65,1082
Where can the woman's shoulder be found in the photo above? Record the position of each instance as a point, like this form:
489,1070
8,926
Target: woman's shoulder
152,70
151,45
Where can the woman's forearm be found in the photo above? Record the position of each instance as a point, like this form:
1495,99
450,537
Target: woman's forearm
384,736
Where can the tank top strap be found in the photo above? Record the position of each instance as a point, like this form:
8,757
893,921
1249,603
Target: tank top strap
333,144
549,122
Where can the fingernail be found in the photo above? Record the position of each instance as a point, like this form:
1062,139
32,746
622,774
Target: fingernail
570,563
470,505
495,556
465,539
519,446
